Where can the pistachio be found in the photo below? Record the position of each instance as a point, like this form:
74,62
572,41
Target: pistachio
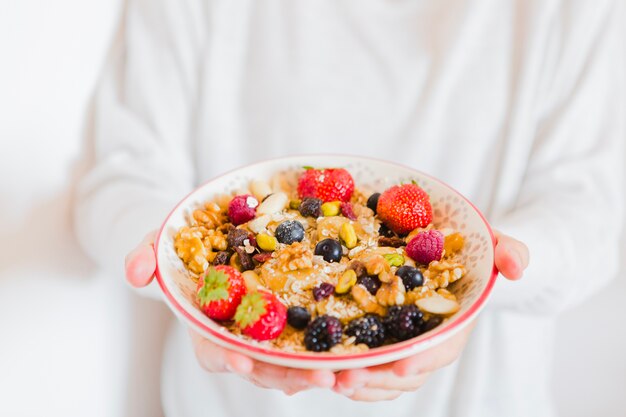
260,189
394,259
348,235
274,203
266,242
346,281
294,204
331,208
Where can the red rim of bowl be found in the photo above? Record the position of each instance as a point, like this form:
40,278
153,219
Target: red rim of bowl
384,350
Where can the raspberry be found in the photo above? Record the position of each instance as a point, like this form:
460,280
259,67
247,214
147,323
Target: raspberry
323,290
311,207
403,322
242,209
426,247
347,210
323,333
369,330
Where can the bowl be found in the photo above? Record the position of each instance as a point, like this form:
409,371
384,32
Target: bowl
450,209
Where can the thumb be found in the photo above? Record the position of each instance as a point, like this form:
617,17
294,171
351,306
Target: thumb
141,262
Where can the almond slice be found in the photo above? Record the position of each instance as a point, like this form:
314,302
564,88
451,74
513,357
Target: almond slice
437,304
274,203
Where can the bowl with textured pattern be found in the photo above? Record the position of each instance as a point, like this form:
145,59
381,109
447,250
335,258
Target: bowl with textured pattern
450,209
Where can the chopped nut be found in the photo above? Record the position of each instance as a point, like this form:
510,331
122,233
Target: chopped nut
378,265
366,301
293,257
260,189
273,203
391,293
190,248
251,280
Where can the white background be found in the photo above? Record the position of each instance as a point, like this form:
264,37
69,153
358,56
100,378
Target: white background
77,343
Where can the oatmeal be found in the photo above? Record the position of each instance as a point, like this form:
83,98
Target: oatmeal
320,265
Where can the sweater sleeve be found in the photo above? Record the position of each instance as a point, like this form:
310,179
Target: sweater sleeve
141,129
569,211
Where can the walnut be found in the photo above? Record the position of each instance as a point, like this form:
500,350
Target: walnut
391,293
366,301
442,273
190,248
293,257
211,217
378,265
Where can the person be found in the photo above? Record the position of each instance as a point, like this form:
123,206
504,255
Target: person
516,104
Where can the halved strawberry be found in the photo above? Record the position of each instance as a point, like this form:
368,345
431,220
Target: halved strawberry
220,291
403,208
261,315
330,184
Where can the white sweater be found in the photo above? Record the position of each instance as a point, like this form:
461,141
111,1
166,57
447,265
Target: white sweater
516,104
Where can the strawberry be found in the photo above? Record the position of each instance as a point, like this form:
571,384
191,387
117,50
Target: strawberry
405,207
261,315
330,184
220,291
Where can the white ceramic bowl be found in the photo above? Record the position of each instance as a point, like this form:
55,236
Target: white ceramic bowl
449,209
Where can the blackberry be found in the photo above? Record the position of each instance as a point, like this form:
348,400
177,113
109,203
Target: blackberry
369,330
431,323
403,322
290,231
311,207
323,290
323,333
298,317
411,277
371,283
372,202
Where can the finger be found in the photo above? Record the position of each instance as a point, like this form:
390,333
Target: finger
140,263
393,382
214,358
511,256
290,380
381,377
434,358
372,395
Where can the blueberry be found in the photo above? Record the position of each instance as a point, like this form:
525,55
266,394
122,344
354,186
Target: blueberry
329,249
290,231
372,202
371,283
411,277
298,317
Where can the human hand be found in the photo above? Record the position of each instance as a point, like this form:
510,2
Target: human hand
140,268
389,381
